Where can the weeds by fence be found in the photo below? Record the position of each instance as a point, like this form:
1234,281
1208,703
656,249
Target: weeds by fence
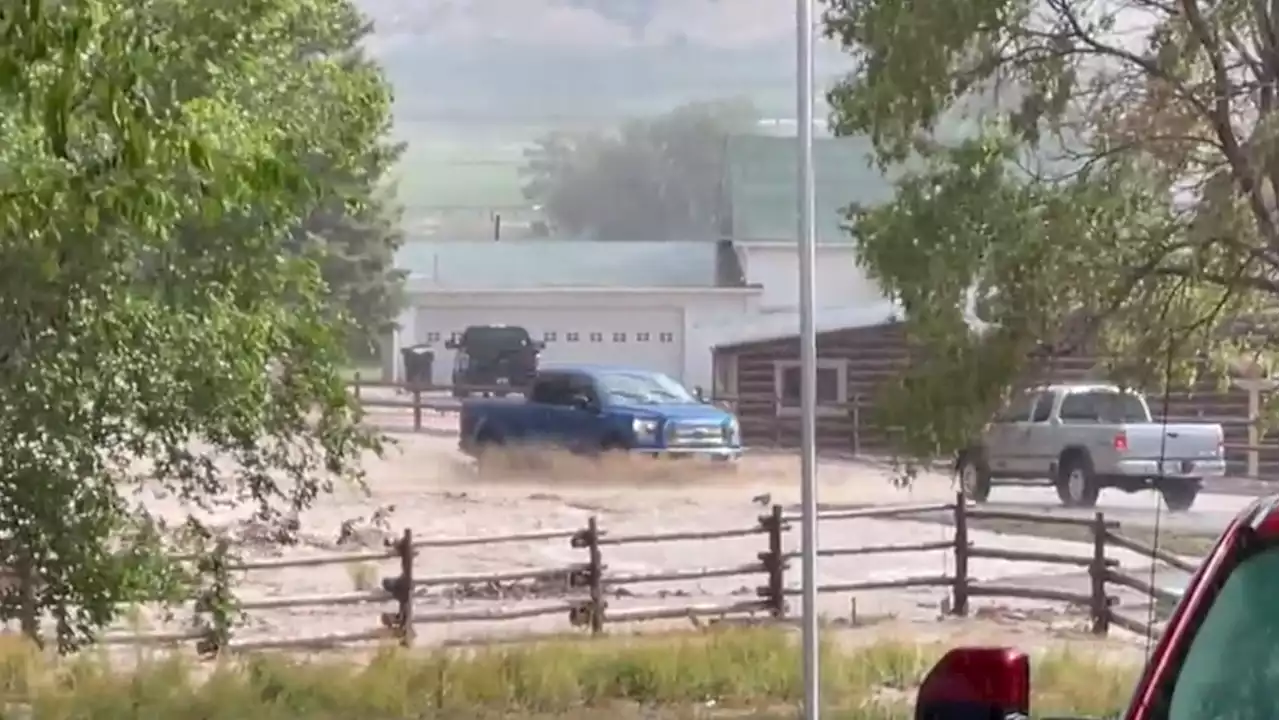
587,587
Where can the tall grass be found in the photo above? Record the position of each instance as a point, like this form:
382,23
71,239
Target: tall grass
741,673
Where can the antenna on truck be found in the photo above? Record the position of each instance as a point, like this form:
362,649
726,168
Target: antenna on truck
1165,398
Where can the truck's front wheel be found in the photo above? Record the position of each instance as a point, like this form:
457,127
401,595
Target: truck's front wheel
1180,494
974,476
1077,485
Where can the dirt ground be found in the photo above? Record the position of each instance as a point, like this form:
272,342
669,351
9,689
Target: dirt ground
426,485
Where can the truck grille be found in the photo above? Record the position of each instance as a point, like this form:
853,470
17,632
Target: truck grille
689,435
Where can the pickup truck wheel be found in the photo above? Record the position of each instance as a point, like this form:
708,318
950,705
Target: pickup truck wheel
1077,486
974,476
1180,495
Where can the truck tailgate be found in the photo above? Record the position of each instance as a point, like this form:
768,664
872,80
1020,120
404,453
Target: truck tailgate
1175,441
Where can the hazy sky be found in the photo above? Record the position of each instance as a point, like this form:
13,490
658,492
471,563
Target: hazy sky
718,23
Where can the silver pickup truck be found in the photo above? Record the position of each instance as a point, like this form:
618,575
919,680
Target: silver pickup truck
1083,438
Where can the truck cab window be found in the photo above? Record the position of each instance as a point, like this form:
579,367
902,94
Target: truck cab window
1078,408
551,390
1043,408
581,386
1017,410
1230,669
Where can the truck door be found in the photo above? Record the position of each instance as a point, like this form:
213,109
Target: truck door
1037,439
574,426
559,420
1002,437
550,392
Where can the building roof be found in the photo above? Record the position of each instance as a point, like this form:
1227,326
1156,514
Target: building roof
781,325
776,326
760,185
538,263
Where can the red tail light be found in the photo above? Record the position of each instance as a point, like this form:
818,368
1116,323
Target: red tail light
1120,442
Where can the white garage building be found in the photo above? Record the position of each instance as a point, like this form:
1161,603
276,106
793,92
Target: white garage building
657,305
623,303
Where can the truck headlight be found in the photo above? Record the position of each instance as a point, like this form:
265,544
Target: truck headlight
646,431
732,432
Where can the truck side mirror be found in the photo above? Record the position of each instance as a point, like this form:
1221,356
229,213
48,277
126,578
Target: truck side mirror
976,682
582,402
698,394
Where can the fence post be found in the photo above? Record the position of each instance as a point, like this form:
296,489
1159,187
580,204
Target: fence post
1101,604
775,565
355,381
590,540
960,588
597,577
401,589
856,416
417,408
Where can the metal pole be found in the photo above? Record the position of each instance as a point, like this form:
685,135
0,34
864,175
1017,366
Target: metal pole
808,358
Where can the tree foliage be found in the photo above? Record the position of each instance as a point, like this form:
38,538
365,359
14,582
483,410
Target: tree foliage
357,232
652,179
1115,191
154,326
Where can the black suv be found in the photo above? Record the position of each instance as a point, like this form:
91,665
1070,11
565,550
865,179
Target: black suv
494,356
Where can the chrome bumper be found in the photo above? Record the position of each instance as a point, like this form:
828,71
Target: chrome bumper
719,454
1172,468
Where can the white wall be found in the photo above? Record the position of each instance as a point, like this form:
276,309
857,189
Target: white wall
701,321
838,281
702,311
711,316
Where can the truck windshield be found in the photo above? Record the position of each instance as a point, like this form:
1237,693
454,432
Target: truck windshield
645,388
487,339
1105,406
1230,670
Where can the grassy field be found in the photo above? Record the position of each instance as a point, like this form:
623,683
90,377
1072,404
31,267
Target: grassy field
460,174
740,673
1187,543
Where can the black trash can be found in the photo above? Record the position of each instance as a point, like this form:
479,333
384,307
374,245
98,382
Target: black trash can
418,363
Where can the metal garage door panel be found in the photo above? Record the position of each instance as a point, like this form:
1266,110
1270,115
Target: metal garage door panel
647,339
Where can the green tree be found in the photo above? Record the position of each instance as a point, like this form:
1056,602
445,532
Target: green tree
153,325
357,232
653,179
1114,190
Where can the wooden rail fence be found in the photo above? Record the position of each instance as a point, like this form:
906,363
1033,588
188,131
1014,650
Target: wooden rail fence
586,588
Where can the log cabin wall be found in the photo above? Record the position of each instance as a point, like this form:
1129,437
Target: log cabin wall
854,363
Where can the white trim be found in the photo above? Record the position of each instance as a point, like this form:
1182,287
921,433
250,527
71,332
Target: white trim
779,325
421,288
838,409
789,244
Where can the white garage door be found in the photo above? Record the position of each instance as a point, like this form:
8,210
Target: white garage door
649,339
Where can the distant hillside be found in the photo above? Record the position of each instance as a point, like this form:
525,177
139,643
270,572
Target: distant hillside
551,60
477,79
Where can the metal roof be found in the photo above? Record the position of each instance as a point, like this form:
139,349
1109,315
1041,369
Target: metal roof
539,263
760,185
783,325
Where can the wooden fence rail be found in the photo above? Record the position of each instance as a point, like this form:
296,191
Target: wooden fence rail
587,585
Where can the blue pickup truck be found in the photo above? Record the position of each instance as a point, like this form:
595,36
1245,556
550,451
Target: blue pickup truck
590,410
